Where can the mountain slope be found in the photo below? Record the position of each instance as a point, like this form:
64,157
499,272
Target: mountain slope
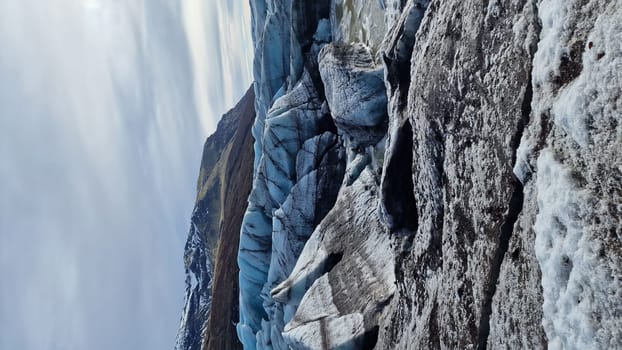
211,309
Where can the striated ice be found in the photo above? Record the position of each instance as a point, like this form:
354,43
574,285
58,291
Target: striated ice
345,256
355,92
294,118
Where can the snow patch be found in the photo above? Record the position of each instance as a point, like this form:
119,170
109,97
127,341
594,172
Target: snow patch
579,291
549,54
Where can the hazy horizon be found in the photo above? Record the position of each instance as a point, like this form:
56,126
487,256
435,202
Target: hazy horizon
104,108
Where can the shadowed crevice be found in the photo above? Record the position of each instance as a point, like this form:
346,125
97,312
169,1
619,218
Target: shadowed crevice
514,210
370,338
516,206
398,199
332,260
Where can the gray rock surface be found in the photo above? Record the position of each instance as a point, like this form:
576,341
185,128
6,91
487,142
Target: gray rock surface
467,103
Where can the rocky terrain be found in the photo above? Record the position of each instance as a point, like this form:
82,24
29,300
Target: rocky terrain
223,186
431,175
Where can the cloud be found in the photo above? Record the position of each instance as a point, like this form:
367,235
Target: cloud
229,31
104,107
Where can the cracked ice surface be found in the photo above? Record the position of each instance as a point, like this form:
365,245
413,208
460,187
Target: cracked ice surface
293,119
333,270
355,92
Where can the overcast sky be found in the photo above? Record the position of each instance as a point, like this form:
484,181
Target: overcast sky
104,108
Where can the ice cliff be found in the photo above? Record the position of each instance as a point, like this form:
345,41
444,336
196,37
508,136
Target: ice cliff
434,175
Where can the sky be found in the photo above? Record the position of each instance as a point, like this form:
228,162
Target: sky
104,108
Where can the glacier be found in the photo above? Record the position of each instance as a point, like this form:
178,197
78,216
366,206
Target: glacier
433,175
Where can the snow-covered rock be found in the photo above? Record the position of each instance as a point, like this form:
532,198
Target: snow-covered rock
571,157
198,299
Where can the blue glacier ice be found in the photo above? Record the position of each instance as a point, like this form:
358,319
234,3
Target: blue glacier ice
316,115
282,205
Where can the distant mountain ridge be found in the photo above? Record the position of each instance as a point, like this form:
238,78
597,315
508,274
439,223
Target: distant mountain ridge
211,268
433,175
